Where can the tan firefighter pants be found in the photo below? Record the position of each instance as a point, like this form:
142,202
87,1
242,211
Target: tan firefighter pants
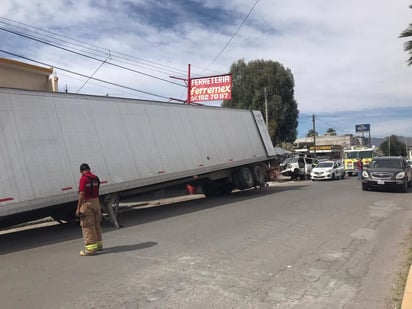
90,219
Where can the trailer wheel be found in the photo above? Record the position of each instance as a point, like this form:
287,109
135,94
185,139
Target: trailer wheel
111,206
244,178
65,216
237,181
259,175
210,189
226,188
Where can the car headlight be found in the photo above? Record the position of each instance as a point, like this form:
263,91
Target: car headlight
400,175
365,174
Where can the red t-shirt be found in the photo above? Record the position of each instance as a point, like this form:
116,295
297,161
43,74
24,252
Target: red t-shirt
89,184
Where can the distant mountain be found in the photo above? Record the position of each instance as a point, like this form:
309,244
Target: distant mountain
377,141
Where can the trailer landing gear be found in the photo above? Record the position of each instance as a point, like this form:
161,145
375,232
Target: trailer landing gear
110,204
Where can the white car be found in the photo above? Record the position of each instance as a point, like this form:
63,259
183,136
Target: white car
328,170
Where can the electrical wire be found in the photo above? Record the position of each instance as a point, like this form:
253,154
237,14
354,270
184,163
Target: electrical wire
83,75
94,73
331,126
88,46
233,36
88,56
95,84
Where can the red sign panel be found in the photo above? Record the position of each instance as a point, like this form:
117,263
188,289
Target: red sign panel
211,88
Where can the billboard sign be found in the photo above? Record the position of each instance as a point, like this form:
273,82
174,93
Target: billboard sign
211,88
363,127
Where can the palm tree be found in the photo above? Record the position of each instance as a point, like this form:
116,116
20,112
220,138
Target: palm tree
311,133
408,44
330,132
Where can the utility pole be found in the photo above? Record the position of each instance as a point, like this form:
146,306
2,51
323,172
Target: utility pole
370,142
389,143
266,110
314,135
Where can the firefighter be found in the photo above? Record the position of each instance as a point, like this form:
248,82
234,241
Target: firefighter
88,209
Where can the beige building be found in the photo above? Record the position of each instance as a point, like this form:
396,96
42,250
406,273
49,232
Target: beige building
16,74
346,141
328,146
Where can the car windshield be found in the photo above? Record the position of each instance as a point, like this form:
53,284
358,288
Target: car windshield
386,164
325,164
365,154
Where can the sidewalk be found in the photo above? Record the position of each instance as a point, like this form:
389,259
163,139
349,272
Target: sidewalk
407,294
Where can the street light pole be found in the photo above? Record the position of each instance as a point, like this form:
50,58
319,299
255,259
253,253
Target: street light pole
314,135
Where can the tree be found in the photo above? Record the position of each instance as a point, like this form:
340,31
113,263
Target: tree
330,132
408,44
248,83
393,147
311,133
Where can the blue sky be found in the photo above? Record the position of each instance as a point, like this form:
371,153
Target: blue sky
348,62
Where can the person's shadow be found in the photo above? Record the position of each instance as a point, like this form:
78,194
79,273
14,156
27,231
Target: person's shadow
126,248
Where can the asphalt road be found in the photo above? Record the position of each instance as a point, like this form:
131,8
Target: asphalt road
295,245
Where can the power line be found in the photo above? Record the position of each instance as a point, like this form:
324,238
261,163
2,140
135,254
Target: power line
96,84
344,131
86,45
94,73
83,75
232,37
88,56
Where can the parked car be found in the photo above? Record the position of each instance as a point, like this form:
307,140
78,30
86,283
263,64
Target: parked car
297,167
387,172
328,170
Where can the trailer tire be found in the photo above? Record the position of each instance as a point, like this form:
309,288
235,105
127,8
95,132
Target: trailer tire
259,175
226,188
210,189
244,178
65,217
237,181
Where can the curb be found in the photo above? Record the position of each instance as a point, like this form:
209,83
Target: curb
407,293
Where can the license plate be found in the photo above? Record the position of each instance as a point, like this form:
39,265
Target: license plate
381,182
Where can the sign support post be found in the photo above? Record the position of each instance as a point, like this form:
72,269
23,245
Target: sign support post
189,85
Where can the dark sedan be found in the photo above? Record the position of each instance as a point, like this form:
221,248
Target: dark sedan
387,172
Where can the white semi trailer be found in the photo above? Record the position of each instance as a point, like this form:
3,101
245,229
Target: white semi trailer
130,144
